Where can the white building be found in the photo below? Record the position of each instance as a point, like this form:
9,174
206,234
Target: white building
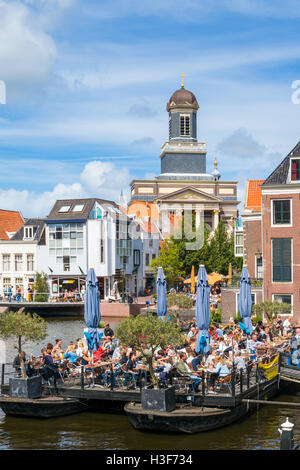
19,256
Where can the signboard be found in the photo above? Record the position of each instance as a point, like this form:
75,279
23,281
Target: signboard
270,370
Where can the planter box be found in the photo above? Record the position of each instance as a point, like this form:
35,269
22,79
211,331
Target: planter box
161,399
26,388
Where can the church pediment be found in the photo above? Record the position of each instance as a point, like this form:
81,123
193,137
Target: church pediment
189,194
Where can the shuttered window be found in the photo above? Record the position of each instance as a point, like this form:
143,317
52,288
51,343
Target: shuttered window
282,260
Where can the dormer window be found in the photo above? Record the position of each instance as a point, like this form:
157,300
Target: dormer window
295,173
78,208
29,232
184,124
64,209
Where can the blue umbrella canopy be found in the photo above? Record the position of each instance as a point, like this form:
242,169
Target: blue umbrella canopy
161,289
245,299
92,307
202,312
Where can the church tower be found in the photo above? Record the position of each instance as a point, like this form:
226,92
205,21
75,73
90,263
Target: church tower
183,157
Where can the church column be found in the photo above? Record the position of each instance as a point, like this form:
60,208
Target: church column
216,213
198,218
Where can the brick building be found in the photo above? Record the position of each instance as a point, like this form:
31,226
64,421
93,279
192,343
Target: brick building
252,245
280,199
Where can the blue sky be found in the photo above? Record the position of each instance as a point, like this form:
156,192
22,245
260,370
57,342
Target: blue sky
87,84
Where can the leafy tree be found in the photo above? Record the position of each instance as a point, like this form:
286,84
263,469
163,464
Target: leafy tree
24,327
146,334
180,300
271,309
41,287
169,260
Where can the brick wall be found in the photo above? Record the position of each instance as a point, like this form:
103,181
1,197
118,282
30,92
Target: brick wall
252,243
229,301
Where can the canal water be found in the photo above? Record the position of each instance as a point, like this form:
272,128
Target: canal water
89,430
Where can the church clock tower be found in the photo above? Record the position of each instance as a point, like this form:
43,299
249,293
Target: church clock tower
183,157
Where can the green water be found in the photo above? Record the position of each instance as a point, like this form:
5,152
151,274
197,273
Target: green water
107,431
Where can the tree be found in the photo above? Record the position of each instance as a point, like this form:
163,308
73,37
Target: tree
41,287
271,309
146,334
221,251
169,260
24,327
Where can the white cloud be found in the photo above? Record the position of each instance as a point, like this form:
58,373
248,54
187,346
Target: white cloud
27,54
98,179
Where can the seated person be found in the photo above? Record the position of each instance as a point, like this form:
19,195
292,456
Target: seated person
108,332
184,370
296,357
219,370
57,351
71,354
97,355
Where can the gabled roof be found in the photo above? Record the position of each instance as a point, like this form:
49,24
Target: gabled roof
10,222
187,193
146,215
38,223
253,195
280,174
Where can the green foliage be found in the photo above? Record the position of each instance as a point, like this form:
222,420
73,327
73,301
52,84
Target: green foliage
41,287
271,309
146,334
168,259
257,318
216,315
180,300
22,326
238,317
101,324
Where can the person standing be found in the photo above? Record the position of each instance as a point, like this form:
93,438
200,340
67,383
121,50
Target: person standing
9,291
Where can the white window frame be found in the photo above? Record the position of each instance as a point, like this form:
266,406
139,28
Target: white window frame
256,258
28,232
185,133
238,232
289,178
292,304
64,209
75,208
291,212
9,262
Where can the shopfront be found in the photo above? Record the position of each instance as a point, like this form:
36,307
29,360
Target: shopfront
60,285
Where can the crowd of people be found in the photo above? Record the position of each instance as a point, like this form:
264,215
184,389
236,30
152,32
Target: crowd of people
230,349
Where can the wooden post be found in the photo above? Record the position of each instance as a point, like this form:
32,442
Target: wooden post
111,378
2,376
203,383
241,381
248,377
233,384
82,378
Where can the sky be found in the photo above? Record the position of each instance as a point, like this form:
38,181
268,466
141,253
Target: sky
87,82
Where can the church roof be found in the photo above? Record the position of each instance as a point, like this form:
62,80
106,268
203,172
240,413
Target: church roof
280,174
182,97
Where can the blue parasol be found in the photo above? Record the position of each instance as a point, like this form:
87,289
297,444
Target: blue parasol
202,312
92,307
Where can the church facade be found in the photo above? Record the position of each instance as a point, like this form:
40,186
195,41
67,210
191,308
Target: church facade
184,184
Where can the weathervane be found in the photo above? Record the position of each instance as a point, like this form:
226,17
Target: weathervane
182,77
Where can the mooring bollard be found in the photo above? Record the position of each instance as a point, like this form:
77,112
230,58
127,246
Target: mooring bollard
287,436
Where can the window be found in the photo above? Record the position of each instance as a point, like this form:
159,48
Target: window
284,298
78,208
64,209
295,170
30,262
18,263
136,257
102,243
238,243
29,232
281,211
6,283
282,259
66,263
184,124
6,262
147,259
259,267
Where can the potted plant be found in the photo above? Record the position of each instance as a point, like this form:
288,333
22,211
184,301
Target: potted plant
23,327
146,334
